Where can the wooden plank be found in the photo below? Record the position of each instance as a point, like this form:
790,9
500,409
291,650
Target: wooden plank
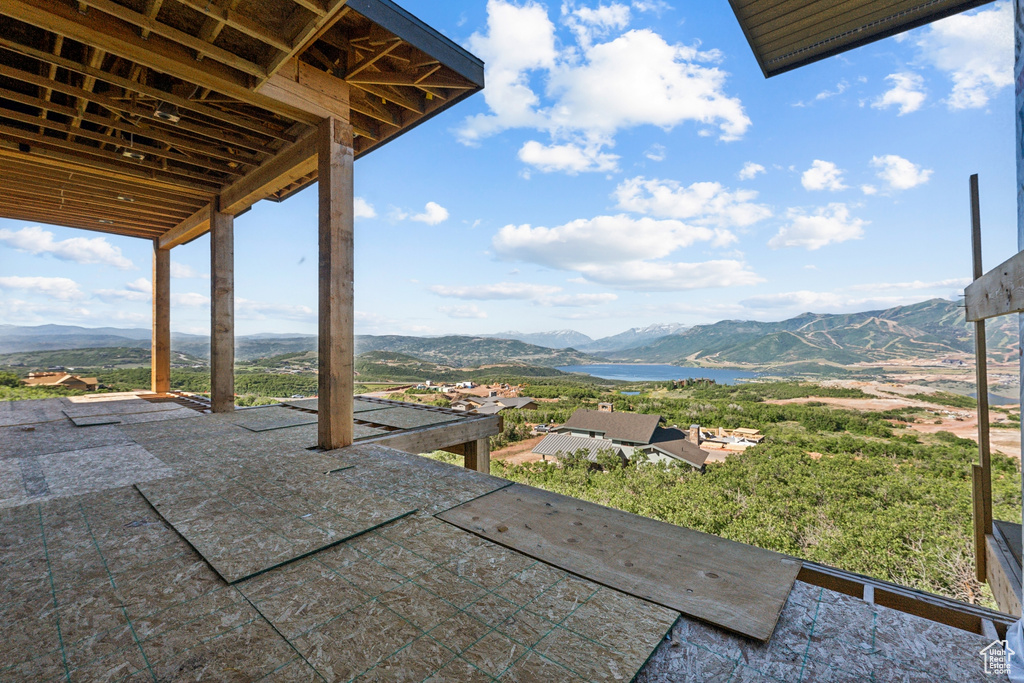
981,378
735,586
978,510
336,379
1005,585
222,312
189,229
441,437
160,365
1000,291
307,88
278,172
477,455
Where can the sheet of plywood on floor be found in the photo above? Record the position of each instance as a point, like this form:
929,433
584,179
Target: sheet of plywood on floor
424,483
54,437
407,418
158,416
30,412
134,405
246,524
99,588
419,598
95,420
71,473
822,636
269,418
732,585
358,405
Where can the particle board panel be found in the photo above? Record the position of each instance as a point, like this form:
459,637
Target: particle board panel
14,413
95,420
246,524
358,406
119,407
729,584
408,418
418,598
55,437
273,417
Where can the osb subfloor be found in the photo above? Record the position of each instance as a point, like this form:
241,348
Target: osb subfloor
100,587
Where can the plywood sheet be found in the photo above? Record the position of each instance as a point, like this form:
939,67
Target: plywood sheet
407,418
266,419
358,406
729,584
95,420
121,407
247,524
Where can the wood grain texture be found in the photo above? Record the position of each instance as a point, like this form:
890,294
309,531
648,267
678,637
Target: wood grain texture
1000,291
335,157
738,587
222,312
160,362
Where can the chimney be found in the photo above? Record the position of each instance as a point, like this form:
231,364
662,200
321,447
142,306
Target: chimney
694,435
605,407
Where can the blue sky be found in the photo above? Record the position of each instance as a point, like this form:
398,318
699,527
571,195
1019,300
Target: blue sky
626,165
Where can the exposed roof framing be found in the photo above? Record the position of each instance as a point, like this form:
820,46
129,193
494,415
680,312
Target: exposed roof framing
787,34
131,116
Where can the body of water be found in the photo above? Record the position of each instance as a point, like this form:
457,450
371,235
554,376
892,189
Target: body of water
635,372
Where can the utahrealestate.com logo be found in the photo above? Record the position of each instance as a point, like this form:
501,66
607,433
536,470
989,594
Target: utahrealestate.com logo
997,658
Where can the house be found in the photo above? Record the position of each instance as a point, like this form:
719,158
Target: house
625,434
61,379
492,405
739,439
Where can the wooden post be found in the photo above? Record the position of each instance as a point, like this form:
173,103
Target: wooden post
337,340
477,455
981,369
160,359
222,311
980,544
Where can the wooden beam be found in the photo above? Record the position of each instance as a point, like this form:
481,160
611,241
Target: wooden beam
73,198
192,227
478,455
222,312
452,435
160,360
157,52
1000,291
273,174
337,339
239,22
245,123
324,16
981,374
305,87
978,511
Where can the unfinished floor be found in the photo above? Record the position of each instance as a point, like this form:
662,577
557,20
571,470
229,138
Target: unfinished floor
359,579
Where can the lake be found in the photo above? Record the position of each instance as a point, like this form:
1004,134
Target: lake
636,372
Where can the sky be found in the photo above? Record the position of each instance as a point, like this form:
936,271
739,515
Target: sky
627,164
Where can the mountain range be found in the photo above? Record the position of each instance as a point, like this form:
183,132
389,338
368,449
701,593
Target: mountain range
930,329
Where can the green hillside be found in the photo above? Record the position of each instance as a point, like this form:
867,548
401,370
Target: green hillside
930,329
101,357
458,351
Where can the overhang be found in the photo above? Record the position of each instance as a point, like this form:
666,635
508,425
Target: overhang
787,34
131,116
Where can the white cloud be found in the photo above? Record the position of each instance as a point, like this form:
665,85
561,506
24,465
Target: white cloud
571,158
184,272
247,309
136,290
704,203
656,152
975,50
86,250
907,93
190,300
823,175
827,225
463,312
579,300
363,208
751,170
433,214
956,283
582,95
869,189
899,173
501,290
826,94
60,288
600,240
785,304
662,276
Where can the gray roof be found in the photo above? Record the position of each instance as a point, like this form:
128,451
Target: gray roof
621,426
565,444
673,441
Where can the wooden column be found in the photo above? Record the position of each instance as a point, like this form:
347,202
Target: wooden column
160,360
222,311
336,342
983,506
477,455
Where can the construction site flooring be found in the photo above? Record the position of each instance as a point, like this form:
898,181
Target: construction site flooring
105,586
